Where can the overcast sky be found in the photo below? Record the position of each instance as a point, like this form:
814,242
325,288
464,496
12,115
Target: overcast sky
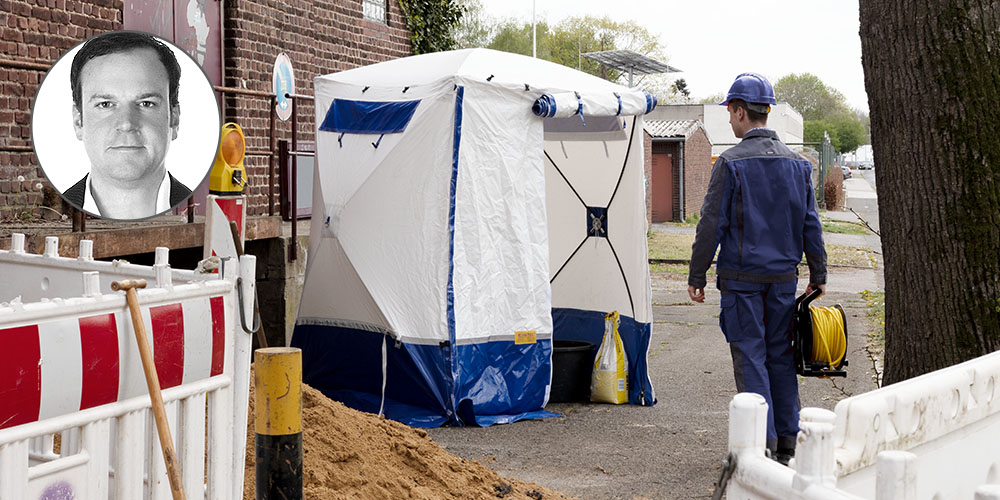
712,41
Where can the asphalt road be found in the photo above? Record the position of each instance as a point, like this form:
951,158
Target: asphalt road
673,449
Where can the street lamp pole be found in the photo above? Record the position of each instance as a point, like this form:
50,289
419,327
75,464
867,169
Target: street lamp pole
534,50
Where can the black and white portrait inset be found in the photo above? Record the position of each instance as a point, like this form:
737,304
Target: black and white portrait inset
125,125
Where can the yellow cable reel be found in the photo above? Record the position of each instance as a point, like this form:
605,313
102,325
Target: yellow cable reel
820,338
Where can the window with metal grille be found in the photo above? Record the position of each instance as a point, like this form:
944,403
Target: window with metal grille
374,10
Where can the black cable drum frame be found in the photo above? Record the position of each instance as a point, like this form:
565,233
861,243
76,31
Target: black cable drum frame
802,341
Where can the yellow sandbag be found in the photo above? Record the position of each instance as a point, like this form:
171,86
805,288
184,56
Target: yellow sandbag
609,383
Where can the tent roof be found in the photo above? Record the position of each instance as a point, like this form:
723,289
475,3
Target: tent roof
475,64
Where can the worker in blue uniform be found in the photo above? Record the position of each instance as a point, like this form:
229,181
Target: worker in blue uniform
760,212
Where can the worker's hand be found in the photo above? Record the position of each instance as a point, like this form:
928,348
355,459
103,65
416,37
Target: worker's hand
813,287
696,294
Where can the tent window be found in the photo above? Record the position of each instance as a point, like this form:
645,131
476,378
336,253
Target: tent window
597,222
368,117
374,10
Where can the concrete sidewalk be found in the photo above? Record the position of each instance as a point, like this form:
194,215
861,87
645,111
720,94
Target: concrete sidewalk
670,450
673,449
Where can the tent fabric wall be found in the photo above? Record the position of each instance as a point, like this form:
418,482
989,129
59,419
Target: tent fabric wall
430,241
598,270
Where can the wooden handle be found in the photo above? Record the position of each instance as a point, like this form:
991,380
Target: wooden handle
127,284
235,231
153,384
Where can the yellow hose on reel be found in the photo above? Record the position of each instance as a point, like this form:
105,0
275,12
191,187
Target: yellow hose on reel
819,338
829,334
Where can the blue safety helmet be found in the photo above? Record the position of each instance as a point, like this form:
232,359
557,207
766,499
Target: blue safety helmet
755,90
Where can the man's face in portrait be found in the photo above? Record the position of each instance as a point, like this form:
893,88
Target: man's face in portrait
125,120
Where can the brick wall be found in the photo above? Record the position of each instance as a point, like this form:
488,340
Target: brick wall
320,37
40,32
697,171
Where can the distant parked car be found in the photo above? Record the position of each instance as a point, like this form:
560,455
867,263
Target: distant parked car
847,172
865,165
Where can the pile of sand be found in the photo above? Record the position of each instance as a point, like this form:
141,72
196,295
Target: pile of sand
349,454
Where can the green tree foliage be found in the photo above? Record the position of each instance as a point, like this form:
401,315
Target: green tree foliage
476,28
846,131
715,99
432,24
565,42
681,87
810,96
823,109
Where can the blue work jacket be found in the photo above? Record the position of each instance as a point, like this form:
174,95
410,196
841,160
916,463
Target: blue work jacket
761,209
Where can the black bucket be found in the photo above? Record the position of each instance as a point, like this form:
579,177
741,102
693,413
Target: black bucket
571,371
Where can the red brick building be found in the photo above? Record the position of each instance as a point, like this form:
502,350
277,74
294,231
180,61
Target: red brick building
236,44
678,167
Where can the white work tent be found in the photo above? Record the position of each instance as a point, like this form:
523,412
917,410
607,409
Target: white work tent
456,233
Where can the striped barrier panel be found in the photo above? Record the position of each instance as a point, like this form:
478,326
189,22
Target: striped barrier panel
69,367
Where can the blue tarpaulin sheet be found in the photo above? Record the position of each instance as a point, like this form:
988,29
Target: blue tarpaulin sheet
492,383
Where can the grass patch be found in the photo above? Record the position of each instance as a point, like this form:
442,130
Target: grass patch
659,349
678,272
679,269
842,227
678,247
845,255
670,246
876,316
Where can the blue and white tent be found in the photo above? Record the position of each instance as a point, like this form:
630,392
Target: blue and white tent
465,213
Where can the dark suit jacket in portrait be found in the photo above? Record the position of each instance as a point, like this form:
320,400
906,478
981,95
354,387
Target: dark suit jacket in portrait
77,193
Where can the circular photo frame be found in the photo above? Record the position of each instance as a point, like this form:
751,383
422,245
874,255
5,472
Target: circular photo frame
109,133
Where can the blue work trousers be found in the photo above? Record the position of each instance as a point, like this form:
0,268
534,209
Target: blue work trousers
757,320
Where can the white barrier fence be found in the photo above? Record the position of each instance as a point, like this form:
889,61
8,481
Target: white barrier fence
69,366
933,437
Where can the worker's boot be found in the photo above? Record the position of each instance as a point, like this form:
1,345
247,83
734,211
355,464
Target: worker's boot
783,455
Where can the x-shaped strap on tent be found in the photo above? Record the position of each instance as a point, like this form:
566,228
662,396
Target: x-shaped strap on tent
598,222
597,218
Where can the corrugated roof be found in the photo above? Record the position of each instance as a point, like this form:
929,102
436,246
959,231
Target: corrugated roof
671,128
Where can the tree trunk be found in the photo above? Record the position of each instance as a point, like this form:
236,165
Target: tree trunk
932,71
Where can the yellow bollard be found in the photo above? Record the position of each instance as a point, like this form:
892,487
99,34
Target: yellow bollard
278,413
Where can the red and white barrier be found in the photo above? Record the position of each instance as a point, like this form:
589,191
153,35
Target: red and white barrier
218,235
74,363
69,366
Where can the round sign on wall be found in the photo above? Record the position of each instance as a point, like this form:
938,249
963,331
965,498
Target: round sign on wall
283,82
